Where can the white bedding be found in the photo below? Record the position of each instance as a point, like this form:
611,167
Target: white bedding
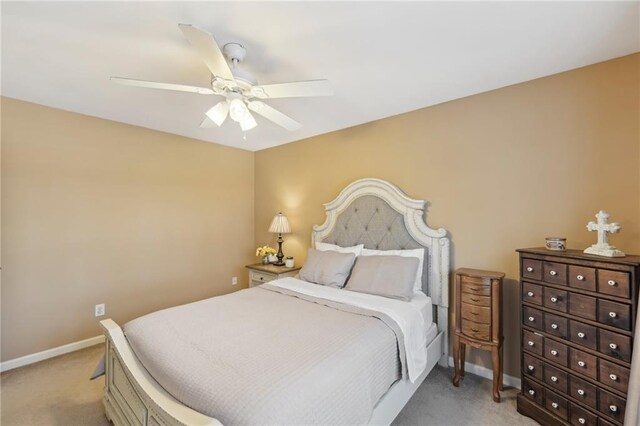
410,317
424,303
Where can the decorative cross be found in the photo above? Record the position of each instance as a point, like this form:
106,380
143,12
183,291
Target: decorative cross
602,247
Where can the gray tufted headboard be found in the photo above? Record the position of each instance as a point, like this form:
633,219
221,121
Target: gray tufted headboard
379,215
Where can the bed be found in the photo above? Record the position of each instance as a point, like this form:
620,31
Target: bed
288,368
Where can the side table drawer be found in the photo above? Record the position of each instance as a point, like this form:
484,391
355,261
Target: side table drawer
261,277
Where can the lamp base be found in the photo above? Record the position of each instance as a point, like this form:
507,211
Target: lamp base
278,264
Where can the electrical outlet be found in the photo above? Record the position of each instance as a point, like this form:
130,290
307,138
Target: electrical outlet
234,280
99,310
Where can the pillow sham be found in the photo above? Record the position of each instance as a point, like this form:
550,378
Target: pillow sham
388,276
328,268
353,249
417,253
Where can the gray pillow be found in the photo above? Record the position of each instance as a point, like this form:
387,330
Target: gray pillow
328,268
388,276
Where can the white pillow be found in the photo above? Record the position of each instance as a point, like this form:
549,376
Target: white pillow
419,253
332,247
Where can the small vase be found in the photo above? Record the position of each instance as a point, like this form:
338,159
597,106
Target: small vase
265,260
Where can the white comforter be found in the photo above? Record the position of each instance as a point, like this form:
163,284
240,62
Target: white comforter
408,317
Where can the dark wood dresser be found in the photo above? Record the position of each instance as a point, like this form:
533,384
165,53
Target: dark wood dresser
578,319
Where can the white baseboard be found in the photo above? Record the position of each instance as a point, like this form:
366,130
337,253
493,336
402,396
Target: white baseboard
487,373
50,353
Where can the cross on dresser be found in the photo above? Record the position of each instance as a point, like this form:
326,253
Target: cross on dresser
603,228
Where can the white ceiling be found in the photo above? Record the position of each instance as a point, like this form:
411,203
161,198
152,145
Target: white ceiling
383,58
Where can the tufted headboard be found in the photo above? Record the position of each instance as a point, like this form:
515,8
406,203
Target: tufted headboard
379,215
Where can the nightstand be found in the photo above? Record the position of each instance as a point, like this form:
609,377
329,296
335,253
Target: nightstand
259,273
479,320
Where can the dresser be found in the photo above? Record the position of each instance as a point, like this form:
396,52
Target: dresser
260,273
478,320
578,320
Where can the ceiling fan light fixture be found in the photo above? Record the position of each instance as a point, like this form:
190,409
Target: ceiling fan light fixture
248,122
218,113
237,109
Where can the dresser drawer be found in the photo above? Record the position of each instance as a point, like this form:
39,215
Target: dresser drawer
555,351
532,293
555,378
474,299
582,391
556,404
476,330
614,375
476,313
583,363
615,345
583,334
581,417
533,318
582,277
582,306
532,342
611,405
614,283
532,366
555,273
555,299
478,290
532,269
467,279
261,277
533,391
614,314
556,325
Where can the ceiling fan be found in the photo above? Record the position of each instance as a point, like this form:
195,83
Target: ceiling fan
240,89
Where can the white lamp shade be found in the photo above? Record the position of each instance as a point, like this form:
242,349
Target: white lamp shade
280,224
218,113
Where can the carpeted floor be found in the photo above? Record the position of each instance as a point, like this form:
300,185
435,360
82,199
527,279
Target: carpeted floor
58,392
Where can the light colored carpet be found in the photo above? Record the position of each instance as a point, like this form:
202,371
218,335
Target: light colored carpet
58,392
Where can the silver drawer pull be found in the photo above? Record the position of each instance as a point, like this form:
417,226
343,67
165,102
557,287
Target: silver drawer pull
613,346
530,343
613,408
581,335
582,421
532,319
613,377
531,368
611,282
554,299
581,392
553,273
554,326
554,352
532,392
554,404
580,278
530,294
554,379
613,314
581,363
529,269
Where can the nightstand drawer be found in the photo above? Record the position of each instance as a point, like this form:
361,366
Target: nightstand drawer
476,313
261,277
476,300
476,330
474,288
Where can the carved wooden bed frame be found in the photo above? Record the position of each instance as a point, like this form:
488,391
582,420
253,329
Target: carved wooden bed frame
133,397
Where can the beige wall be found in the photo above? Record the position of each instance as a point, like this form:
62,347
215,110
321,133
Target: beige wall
95,211
502,170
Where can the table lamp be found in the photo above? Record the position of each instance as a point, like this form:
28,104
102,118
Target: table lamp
280,225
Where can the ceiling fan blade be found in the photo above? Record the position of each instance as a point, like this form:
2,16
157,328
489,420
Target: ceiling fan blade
208,49
293,90
274,115
248,122
164,86
218,113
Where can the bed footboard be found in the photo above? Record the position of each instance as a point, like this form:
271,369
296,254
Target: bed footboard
132,396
